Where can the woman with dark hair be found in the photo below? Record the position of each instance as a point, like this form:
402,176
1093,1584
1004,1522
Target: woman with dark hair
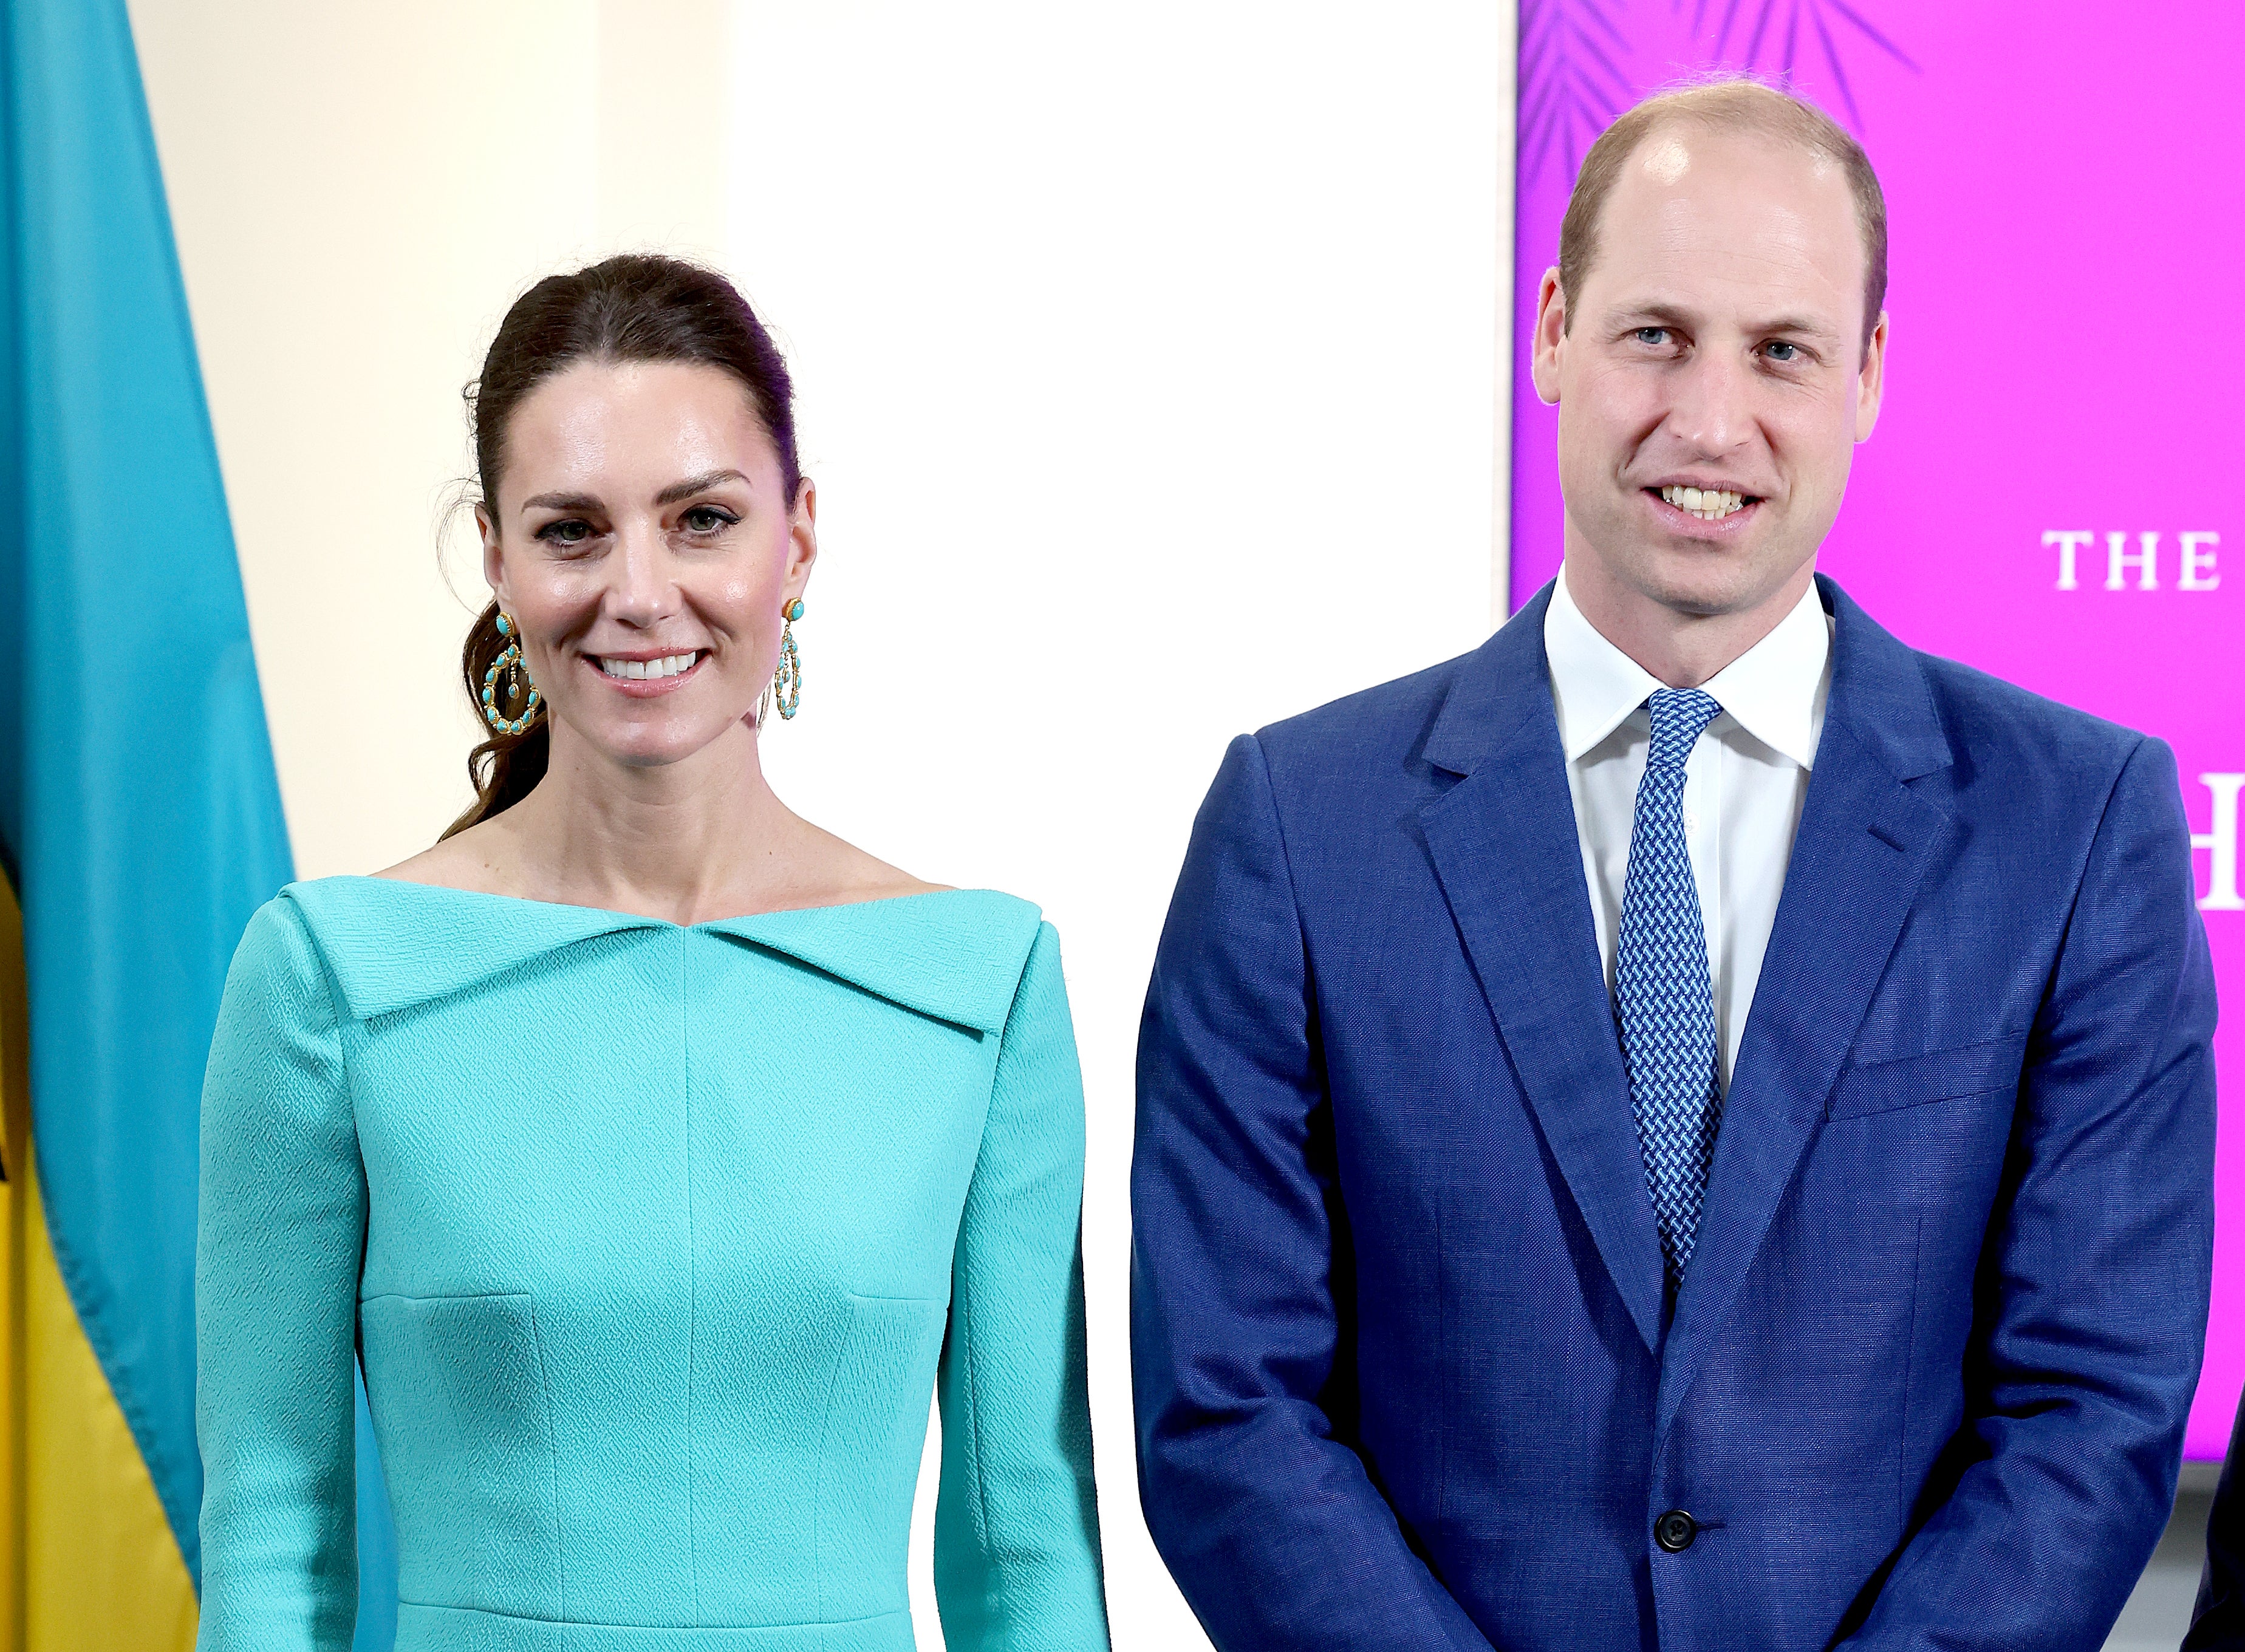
656,1152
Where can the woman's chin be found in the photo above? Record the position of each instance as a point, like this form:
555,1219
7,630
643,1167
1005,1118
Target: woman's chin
659,742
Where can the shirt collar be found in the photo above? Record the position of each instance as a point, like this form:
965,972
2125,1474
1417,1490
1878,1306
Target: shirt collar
1776,691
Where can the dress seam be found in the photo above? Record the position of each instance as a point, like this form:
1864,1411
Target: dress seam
683,1628
693,1277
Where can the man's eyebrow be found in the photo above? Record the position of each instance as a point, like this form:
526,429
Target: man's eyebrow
561,502
1654,315
1801,326
695,484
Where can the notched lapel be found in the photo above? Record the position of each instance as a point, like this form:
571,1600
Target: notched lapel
1863,848
1511,865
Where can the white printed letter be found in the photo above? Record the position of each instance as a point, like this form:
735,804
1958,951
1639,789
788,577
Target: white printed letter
2068,544
2118,558
2221,845
2196,562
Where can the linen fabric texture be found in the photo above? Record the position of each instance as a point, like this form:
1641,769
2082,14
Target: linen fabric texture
1405,1373
653,1241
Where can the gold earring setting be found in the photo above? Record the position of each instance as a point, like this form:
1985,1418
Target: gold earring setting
517,677
785,689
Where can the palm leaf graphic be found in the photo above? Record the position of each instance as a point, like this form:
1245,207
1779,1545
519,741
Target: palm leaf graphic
1772,33
1572,82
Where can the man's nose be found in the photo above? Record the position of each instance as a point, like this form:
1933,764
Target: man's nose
1713,409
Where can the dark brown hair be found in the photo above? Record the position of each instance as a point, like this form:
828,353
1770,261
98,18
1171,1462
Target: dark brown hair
639,307
1725,102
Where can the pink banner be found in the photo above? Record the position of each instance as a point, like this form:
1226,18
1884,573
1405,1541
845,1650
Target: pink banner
2050,493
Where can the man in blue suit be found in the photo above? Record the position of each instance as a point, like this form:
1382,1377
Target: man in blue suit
1690,1126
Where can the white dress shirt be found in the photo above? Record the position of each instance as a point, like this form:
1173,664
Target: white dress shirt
1745,783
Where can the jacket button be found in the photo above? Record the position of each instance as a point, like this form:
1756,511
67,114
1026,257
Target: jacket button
1675,1530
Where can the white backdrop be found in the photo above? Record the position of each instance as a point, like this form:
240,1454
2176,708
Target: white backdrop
1151,374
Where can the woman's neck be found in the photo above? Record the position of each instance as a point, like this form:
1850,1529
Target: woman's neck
704,837
687,842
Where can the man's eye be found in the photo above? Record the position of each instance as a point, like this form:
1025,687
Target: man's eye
1781,351
567,530
1653,335
707,518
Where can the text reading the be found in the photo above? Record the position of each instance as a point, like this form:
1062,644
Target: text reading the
2133,561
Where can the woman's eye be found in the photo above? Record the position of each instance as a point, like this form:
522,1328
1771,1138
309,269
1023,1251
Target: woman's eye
567,530
707,518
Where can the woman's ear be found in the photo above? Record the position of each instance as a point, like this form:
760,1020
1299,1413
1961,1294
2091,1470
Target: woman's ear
494,565
802,538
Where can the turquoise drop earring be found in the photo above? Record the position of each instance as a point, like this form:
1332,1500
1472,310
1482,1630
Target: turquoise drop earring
518,678
785,689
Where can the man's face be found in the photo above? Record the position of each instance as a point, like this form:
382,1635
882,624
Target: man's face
1711,379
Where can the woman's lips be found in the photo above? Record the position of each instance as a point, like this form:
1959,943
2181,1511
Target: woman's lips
646,687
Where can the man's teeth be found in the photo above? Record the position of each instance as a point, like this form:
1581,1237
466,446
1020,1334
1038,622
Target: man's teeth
1709,504
669,666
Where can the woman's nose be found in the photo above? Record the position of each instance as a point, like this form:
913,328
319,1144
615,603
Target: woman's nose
641,587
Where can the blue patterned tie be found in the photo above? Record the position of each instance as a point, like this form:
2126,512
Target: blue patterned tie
1662,997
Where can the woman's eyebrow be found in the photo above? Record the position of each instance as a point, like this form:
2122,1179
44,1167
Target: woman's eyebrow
561,502
695,484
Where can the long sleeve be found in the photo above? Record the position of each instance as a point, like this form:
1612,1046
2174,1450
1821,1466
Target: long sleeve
1017,1561
1271,1525
2096,1274
282,1223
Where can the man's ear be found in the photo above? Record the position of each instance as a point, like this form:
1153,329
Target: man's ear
1550,338
1871,383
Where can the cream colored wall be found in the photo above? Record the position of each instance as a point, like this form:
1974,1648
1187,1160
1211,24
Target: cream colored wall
357,194
1153,367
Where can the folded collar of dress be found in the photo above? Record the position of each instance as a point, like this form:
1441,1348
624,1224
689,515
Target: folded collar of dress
955,955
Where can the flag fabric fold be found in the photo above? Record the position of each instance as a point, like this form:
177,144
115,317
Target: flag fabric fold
140,824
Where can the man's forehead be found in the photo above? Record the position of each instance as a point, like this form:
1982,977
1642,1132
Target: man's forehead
1750,209
1682,150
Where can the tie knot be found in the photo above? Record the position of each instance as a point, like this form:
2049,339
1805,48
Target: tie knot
1679,714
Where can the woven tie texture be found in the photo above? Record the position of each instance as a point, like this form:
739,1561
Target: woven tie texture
1664,999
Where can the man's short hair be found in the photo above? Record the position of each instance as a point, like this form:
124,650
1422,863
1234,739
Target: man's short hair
1734,104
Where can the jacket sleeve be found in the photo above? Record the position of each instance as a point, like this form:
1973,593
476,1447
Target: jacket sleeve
1271,1525
1017,1560
280,1231
2219,1623
2095,1282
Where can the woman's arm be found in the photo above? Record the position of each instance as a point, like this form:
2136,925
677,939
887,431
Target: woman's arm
283,1226
1016,1523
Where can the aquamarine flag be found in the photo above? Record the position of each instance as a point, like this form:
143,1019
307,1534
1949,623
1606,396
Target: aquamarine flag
139,816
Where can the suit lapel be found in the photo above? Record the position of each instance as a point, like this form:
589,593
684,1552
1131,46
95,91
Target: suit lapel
1863,847
1505,849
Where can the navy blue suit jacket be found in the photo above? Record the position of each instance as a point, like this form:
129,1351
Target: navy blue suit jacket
1405,1373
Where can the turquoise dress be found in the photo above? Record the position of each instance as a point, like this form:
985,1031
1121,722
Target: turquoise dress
653,1242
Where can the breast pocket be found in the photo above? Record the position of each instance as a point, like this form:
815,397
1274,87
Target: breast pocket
1984,1068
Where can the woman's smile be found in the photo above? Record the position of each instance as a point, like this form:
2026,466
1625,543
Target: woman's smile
643,673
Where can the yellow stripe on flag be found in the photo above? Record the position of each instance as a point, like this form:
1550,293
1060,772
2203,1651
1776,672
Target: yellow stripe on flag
87,1562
